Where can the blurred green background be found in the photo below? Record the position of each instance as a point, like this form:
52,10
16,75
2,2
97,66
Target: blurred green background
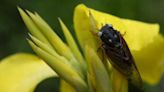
13,32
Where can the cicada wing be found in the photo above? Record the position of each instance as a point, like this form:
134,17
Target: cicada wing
135,77
119,63
127,68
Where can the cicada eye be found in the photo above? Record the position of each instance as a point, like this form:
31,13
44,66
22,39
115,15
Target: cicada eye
99,34
110,40
115,36
110,25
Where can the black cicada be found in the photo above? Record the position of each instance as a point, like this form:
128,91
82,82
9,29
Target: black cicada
119,54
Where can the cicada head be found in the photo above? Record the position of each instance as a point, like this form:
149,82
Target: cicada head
110,36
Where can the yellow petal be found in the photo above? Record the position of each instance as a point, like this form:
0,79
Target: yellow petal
52,37
34,30
43,45
41,30
64,70
139,34
120,83
47,49
72,44
82,27
22,72
35,23
150,60
97,74
65,87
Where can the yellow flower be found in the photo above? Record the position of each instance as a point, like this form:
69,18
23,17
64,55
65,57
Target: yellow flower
143,39
78,72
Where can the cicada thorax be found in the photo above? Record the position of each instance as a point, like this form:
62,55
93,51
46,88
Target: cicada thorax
119,54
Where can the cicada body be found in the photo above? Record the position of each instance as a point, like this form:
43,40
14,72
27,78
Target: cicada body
119,54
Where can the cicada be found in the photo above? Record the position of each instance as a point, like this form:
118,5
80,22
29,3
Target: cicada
116,49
